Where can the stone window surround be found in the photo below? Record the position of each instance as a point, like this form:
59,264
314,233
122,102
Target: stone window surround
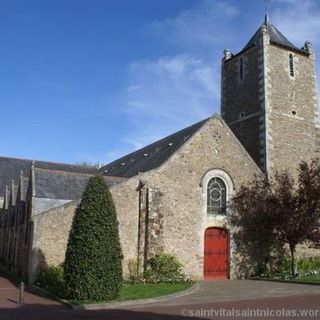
224,176
216,196
216,221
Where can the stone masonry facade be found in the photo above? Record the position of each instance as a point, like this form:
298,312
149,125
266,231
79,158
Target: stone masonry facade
273,114
177,210
269,114
293,110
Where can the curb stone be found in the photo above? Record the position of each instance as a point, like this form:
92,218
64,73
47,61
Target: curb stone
49,295
287,281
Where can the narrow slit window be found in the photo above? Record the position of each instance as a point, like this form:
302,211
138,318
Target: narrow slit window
291,65
241,69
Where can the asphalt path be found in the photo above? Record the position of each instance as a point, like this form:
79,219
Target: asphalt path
213,300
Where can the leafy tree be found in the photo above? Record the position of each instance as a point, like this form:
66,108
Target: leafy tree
270,213
93,264
254,233
297,208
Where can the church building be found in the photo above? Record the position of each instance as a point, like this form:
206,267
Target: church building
172,196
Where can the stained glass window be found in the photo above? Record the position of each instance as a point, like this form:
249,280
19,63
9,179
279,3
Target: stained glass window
216,197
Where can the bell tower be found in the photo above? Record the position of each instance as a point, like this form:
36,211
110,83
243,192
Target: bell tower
269,99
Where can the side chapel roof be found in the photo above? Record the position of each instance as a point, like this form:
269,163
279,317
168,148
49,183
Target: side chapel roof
10,169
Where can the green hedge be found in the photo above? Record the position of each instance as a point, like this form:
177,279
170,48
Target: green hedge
305,267
93,264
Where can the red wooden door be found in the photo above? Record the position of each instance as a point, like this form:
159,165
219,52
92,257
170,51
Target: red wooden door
216,257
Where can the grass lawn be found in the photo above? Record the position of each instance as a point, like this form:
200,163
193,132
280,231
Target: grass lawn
143,291
312,278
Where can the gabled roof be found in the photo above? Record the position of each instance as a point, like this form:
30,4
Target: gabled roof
151,156
276,37
59,184
54,184
10,169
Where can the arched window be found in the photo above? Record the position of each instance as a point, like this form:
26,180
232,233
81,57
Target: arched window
216,197
291,65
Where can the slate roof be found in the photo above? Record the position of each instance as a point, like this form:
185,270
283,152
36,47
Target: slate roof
63,185
10,169
275,37
151,156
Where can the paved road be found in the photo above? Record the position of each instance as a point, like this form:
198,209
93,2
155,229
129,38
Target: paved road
213,300
237,290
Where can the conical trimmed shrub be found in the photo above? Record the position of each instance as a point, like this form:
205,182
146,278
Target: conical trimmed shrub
93,263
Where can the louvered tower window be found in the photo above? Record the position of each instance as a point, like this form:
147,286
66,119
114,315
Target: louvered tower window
241,69
291,65
216,197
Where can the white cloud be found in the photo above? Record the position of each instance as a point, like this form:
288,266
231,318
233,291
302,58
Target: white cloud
167,94
204,24
286,1
171,92
299,21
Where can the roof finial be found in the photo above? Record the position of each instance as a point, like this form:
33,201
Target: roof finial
266,17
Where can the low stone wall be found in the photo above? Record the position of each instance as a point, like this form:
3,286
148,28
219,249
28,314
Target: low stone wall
51,233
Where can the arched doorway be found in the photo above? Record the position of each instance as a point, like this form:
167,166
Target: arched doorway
216,253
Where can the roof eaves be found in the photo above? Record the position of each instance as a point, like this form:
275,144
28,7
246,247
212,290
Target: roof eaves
242,51
295,49
64,172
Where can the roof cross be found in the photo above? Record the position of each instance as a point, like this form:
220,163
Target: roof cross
266,5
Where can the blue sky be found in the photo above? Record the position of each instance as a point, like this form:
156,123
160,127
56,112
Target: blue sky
91,80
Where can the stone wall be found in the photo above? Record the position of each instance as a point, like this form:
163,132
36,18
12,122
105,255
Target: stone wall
162,210
274,114
177,194
150,224
51,232
248,132
242,101
126,199
292,110
240,95
308,250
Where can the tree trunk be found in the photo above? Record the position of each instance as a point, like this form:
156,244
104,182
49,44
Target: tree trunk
293,262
